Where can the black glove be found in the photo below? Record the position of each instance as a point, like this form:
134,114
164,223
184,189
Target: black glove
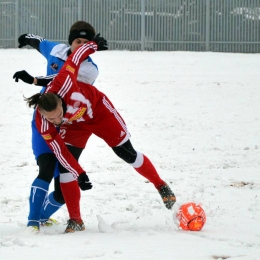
22,40
84,182
24,76
101,42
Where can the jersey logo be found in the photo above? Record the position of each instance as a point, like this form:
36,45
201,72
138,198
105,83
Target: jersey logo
78,114
69,68
47,137
76,105
54,66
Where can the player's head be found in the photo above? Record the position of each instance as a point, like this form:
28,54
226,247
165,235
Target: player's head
50,106
80,33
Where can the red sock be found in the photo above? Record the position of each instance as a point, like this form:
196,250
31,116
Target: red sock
149,172
71,194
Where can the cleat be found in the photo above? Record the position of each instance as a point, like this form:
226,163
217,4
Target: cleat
50,222
167,195
74,225
33,229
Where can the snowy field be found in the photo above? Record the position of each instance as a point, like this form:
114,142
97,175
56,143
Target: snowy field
195,115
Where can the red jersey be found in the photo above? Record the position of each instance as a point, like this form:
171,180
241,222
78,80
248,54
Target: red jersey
87,111
80,99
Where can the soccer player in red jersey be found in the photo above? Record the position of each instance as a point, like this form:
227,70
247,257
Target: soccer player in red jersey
79,109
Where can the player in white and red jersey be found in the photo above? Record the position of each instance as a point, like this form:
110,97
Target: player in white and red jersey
43,204
79,109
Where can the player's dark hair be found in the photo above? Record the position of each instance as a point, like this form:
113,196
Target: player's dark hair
47,102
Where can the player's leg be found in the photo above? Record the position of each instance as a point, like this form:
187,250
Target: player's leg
71,194
139,162
53,202
112,129
40,186
144,167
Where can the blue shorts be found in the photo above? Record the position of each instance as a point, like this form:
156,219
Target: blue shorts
39,145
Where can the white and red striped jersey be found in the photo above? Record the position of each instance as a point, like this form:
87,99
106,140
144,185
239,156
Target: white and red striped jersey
80,100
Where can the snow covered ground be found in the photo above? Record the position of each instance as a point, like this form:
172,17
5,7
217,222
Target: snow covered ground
195,115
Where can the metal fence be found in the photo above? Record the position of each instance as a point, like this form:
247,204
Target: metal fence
154,25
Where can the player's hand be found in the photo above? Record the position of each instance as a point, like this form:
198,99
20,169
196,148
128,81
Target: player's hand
84,182
101,42
24,76
22,40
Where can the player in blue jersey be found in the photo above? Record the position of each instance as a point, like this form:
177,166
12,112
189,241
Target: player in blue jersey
79,110
42,205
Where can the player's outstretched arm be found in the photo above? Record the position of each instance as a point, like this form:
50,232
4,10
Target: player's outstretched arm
30,39
24,76
27,78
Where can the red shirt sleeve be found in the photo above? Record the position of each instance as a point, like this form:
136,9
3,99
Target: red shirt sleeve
57,145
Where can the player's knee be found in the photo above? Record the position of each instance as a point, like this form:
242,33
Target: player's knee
57,194
126,152
47,164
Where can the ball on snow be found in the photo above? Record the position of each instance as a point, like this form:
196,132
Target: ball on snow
191,216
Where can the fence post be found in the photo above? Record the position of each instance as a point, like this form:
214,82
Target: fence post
16,25
79,10
207,24
142,24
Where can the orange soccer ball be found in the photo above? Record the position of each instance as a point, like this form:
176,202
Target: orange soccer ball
191,216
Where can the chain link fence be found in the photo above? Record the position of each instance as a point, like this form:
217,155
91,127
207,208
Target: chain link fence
151,25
